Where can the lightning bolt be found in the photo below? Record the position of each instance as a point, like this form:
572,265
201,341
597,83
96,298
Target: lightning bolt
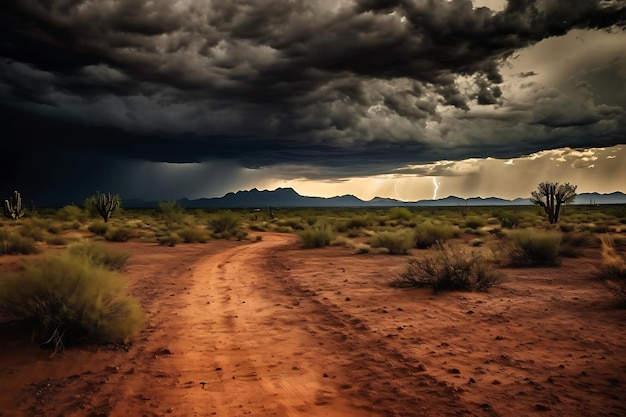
395,189
436,188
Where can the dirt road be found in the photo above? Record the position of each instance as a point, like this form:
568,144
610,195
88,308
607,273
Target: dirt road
269,329
245,339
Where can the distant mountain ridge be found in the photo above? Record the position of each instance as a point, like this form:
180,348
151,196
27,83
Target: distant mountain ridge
288,197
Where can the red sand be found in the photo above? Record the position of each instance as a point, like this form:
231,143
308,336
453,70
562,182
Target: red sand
270,329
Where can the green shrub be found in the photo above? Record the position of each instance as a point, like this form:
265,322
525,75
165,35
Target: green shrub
70,213
118,234
612,271
98,228
99,254
450,270
57,240
427,234
170,240
400,213
475,222
193,235
295,224
225,223
68,298
171,212
572,244
33,231
534,248
317,236
397,242
358,222
362,248
16,244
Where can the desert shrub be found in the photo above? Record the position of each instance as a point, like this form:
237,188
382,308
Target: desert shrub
341,241
225,223
509,219
534,248
193,235
567,227
16,244
33,231
477,242
475,222
98,228
241,234
573,243
99,254
357,222
427,234
171,212
66,297
70,213
255,227
295,224
317,236
57,240
400,213
118,234
169,240
362,248
450,270
397,242
612,271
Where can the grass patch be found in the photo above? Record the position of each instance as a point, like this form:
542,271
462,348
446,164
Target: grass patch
68,298
170,240
396,242
193,235
57,240
534,248
400,213
450,270
362,248
317,236
15,244
225,223
475,222
118,234
427,234
98,228
99,254
33,230
612,271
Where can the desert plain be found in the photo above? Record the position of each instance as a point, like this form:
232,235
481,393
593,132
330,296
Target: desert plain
266,327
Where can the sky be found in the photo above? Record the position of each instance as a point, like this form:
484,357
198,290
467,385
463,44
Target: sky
407,99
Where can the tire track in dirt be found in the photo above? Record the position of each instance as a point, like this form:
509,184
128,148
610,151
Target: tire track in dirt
264,346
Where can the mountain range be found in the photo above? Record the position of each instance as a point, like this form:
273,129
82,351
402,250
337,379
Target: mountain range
288,197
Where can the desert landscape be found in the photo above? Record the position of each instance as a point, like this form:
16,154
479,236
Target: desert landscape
264,325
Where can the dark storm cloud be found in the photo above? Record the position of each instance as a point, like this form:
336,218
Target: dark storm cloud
266,82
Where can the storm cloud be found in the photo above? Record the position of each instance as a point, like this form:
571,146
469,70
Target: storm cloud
354,87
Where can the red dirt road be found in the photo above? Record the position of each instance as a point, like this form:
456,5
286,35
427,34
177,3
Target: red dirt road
269,329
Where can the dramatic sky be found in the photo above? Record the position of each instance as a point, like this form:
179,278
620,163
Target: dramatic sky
410,99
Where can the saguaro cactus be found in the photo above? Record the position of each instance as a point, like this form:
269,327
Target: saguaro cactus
106,204
13,206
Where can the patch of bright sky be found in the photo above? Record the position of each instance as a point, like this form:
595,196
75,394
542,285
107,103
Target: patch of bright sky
592,170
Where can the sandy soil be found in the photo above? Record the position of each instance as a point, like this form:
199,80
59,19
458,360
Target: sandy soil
270,329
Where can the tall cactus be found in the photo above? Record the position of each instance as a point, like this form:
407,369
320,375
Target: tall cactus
106,204
13,206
